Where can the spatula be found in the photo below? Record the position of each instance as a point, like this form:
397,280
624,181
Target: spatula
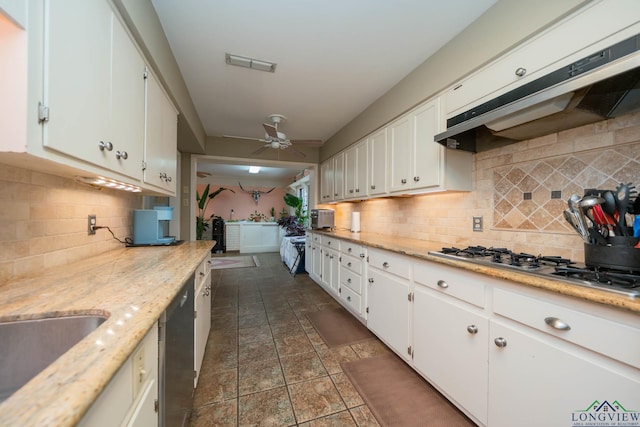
622,194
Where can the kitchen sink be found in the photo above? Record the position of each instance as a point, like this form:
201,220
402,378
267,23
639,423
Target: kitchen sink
29,346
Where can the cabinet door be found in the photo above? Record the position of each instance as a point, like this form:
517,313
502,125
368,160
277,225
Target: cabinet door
338,177
308,255
361,180
202,321
350,172
450,349
330,269
574,384
160,142
428,155
78,78
388,303
126,127
326,181
316,253
399,152
377,154
94,88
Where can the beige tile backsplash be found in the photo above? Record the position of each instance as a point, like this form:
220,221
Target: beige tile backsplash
43,220
599,155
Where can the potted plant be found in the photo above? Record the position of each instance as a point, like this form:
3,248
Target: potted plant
296,203
257,217
273,214
203,200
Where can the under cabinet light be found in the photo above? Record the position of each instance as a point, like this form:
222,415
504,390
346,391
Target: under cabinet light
254,169
100,182
254,64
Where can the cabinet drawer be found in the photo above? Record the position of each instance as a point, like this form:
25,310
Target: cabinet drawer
352,249
352,280
353,300
330,242
202,271
455,282
315,237
613,339
390,262
351,263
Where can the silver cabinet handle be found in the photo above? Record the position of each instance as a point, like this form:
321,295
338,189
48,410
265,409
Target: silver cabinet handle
102,145
361,255
348,298
357,190
556,323
385,264
472,329
403,180
349,264
121,155
521,72
370,279
349,280
351,191
442,284
500,342
201,274
416,178
373,187
349,250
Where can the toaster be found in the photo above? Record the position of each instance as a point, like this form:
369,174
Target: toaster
322,218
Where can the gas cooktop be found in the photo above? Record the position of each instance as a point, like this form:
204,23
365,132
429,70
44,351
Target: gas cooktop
622,282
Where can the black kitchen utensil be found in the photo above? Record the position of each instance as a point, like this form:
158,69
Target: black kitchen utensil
622,195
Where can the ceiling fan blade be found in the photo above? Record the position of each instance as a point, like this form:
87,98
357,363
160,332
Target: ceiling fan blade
294,151
309,142
244,137
261,149
271,130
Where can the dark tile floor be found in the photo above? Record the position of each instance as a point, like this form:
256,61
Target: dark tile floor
265,365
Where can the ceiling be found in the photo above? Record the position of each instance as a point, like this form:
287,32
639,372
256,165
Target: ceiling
334,57
224,172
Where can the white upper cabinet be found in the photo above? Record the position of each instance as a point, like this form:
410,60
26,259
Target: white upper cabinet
332,179
160,150
83,110
377,159
94,88
598,25
355,171
417,163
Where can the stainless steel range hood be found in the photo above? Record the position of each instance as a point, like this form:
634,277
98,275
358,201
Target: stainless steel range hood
600,86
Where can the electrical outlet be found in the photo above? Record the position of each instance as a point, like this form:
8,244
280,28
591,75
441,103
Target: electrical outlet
90,224
139,372
477,223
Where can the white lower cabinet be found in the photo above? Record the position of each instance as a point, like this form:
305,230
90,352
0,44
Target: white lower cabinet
537,381
131,396
505,354
388,310
330,269
450,349
202,314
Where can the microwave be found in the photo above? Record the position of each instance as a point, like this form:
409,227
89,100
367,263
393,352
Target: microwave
322,218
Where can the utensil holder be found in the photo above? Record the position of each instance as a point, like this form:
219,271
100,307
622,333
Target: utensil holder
621,255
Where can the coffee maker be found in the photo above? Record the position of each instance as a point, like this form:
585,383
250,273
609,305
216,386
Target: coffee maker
149,226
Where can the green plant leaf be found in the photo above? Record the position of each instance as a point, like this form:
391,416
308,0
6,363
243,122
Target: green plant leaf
293,201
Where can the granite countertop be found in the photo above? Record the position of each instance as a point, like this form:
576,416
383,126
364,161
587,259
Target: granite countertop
133,286
420,249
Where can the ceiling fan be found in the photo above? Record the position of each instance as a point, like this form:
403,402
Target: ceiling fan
275,139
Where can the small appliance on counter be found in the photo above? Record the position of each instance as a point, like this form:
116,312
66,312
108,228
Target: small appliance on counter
149,226
322,218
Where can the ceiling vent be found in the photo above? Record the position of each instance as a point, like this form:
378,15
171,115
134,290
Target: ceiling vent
254,64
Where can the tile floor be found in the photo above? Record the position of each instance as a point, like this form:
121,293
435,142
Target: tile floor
265,365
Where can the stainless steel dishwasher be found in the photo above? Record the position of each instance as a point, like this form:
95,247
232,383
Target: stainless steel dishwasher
176,359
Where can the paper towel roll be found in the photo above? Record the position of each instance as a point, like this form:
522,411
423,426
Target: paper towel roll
355,222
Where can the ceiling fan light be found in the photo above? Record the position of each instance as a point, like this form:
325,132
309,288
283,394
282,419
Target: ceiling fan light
275,144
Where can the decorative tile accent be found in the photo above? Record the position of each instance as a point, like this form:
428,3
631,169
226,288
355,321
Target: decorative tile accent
567,174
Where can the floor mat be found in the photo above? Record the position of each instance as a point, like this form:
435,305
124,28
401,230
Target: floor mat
398,396
338,327
218,263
